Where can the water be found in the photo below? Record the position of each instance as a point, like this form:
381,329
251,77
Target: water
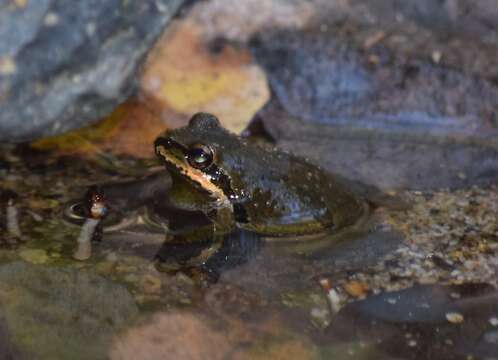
271,304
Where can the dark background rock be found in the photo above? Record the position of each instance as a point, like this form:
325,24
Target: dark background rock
319,77
64,64
377,116
449,16
464,32
387,158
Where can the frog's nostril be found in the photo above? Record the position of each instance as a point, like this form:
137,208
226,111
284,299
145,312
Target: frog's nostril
166,143
169,143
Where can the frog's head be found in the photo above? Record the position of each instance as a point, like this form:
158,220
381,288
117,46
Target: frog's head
196,156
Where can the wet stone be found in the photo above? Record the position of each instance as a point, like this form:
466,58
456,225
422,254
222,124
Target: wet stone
64,65
423,322
493,321
9,349
386,160
454,317
57,312
34,256
306,78
398,123
322,78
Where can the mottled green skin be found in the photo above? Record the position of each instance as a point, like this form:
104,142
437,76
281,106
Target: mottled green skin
278,193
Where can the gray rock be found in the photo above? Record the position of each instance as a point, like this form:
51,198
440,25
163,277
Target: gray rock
385,158
65,64
321,78
398,123
420,322
446,17
62,313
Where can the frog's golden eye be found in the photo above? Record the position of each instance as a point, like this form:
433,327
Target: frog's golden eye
200,156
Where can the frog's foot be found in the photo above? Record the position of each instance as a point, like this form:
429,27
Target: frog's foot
202,275
178,255
189,259
205,261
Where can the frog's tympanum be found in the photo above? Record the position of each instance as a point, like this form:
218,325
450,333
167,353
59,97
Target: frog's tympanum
243,188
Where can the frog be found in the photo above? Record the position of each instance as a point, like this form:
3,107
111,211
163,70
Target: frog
247,190
214,198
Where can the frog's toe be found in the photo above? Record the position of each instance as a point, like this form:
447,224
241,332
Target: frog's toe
202,275
167,268
167,264
209,275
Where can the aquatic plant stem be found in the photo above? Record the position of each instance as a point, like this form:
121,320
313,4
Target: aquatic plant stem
83,249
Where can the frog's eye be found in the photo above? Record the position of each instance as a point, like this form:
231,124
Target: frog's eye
200,156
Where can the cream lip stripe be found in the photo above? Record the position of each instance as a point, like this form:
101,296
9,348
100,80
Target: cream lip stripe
197,176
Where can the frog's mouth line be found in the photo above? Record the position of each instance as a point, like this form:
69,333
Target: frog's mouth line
197,176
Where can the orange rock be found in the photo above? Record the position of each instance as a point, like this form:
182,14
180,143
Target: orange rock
356,288
171,336
129,130
183,335
185,75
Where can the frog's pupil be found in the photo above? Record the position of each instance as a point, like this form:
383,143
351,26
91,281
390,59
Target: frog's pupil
199,156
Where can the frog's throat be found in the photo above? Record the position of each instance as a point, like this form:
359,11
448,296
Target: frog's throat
197,176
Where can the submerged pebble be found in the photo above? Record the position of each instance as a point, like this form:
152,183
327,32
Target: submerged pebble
454,317
493,321
150,283
34,256
356,289
13,220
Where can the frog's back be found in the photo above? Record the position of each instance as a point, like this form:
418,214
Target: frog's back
297,197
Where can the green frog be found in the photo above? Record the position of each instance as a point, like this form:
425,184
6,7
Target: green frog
245,191
222,196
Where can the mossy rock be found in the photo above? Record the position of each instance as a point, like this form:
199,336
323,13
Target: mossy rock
60,312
